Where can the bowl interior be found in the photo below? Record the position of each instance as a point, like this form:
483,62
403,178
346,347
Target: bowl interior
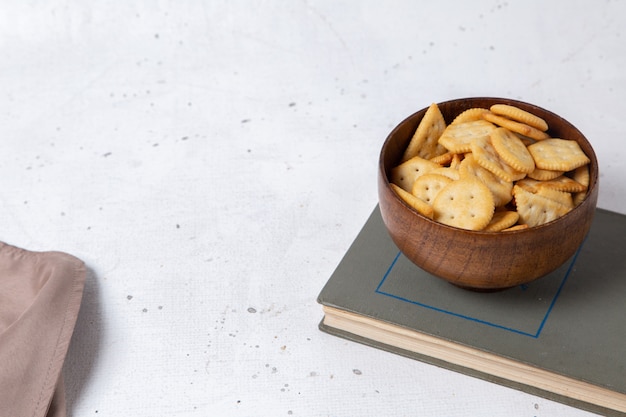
478,259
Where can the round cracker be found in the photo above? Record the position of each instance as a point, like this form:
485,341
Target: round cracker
517,114
443,159
500,188
418,205
469,115
544,174
515,228
428,186
466,204
512,150
502,220
512,125
487,157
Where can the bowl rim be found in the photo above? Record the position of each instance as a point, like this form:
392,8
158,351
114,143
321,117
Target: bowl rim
593,162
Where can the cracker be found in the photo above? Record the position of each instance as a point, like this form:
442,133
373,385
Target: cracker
472,173
581,175
529,184
466,203
451,173
457,137
558,154
561,197
561,183
487,157
456,161
424,142
514,126
405,174
512,150
500,188
443,159
469,115
525,139
516,227
502,220
420,206
428,186
535,210
519,115
564,183
544,174
578,198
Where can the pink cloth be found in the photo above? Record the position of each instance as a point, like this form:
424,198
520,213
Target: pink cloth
40,296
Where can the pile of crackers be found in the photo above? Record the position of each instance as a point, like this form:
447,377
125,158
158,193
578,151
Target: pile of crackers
493,170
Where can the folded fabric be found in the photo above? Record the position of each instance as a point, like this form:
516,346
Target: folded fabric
40,296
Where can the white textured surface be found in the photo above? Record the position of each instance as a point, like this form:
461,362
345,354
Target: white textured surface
212,161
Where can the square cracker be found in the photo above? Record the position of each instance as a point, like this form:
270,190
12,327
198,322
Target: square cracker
564,183
535,210
558,154
562,197
502,220
466,203
582,175
487,157
405,174
561,183
457,137
424,142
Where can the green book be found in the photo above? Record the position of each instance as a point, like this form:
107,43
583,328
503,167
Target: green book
562,337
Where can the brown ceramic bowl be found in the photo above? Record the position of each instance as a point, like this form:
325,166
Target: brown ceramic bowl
483,260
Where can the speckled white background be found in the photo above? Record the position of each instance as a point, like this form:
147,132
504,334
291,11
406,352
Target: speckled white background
211,162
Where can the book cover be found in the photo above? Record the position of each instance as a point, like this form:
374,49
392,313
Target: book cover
562,336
